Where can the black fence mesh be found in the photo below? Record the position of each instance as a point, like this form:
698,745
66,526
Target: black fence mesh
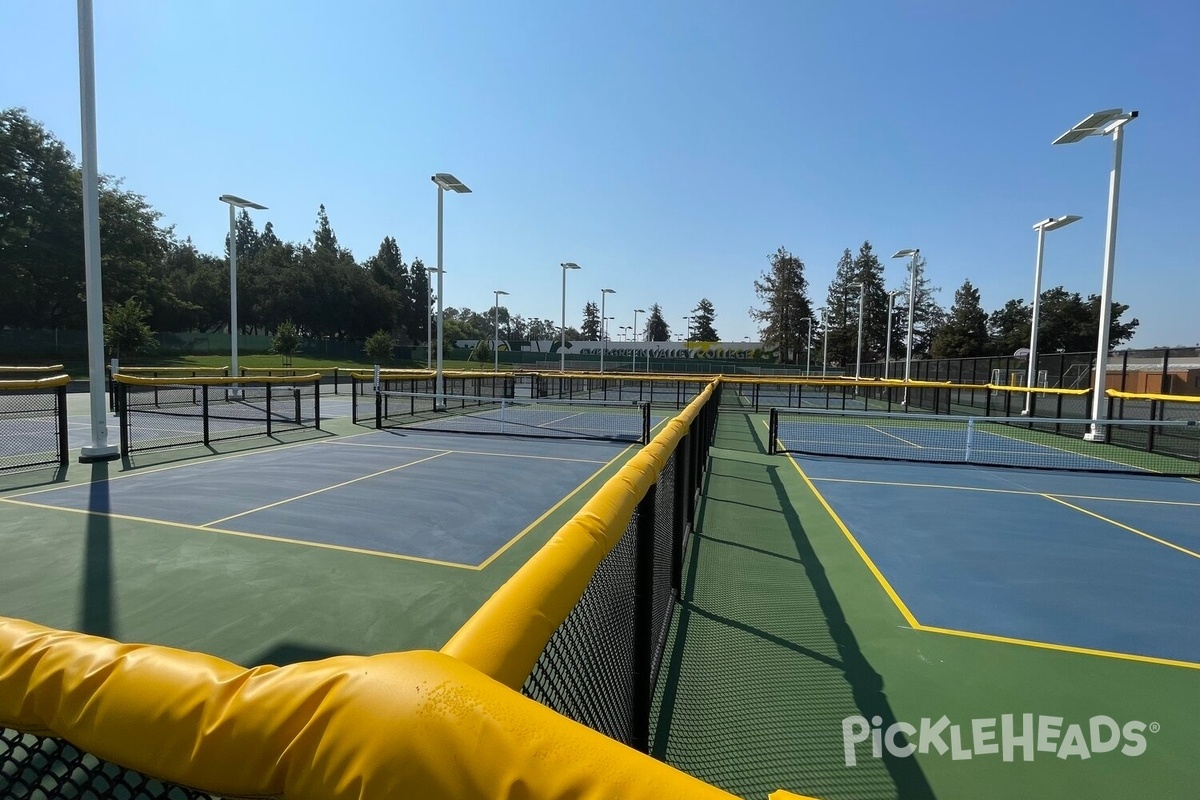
33,427
41,767
601,664
165,415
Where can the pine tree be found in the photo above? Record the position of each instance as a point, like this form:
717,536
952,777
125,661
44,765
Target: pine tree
926,321
591,323
783,291
1009,328
420,296
702,322
657,329
964,333
842,313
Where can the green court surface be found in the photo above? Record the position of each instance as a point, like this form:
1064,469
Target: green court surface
784,633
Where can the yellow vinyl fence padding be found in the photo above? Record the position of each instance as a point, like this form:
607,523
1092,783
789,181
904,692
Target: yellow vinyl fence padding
214,380
504,638
1166,398
417,724
52,382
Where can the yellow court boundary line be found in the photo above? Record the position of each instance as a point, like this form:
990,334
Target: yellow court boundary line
324,489
504,548
245,535
1123,526
915,625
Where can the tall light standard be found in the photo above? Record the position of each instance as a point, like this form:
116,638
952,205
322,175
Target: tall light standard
687,323
429,321
603,344
562,344
862,294
496,340
808,347
1103,123
1050,224
887,358
914,252
98,449
445,183
637,337
825,346
234,203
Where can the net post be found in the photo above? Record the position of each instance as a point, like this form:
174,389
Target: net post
643,623
268,387
60,403
378,409
317,405
123,415
645,423
970,437
296,398
204,411
114,366
353,400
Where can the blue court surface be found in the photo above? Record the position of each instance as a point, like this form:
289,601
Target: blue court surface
450,499
1099,562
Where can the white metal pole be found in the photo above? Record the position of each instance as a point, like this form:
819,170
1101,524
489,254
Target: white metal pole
912,310
562,332
98,449
439,396
825,345
603,344
496,337
808,349
428,320
636,339
1033,328
233,299
862,292
1110,257
887,350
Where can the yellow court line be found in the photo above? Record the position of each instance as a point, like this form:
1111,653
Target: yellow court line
325,489
475,453
894,436
1185,503
887,587
1063,648
1123,526
552,509
245,535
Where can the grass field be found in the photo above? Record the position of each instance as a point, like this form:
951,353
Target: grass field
78,368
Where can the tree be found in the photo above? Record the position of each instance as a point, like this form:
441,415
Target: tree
1009,328
591,323
286,341
965,331
420,295
378,346
783,291
928,317
657,329
702,322
482,352
126,330
842,312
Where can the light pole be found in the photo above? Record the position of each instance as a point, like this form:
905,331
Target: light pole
603,344
808,347
1103,123
862,293
1050,224
887,358
914,252
637,338
687,323
98,448
825,345
429,321
496,340
234,203
562,344
445,183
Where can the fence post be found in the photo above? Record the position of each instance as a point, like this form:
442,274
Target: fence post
1165,383
204,409
60,402
123,414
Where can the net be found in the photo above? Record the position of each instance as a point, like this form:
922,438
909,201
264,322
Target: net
156,414
990,441
33,423
556,419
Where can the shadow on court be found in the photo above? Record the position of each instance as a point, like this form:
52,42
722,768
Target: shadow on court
96,603
763,667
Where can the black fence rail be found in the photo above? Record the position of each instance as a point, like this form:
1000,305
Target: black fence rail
157,413
600,666
33,423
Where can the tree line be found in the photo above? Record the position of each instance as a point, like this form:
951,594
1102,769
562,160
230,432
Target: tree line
151,276
788,318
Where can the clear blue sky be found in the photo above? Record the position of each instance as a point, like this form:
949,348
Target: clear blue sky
667,147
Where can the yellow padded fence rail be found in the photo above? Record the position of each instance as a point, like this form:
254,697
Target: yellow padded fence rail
416,724
214,380
504,638
1165,398
169,370
50,368
52,382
